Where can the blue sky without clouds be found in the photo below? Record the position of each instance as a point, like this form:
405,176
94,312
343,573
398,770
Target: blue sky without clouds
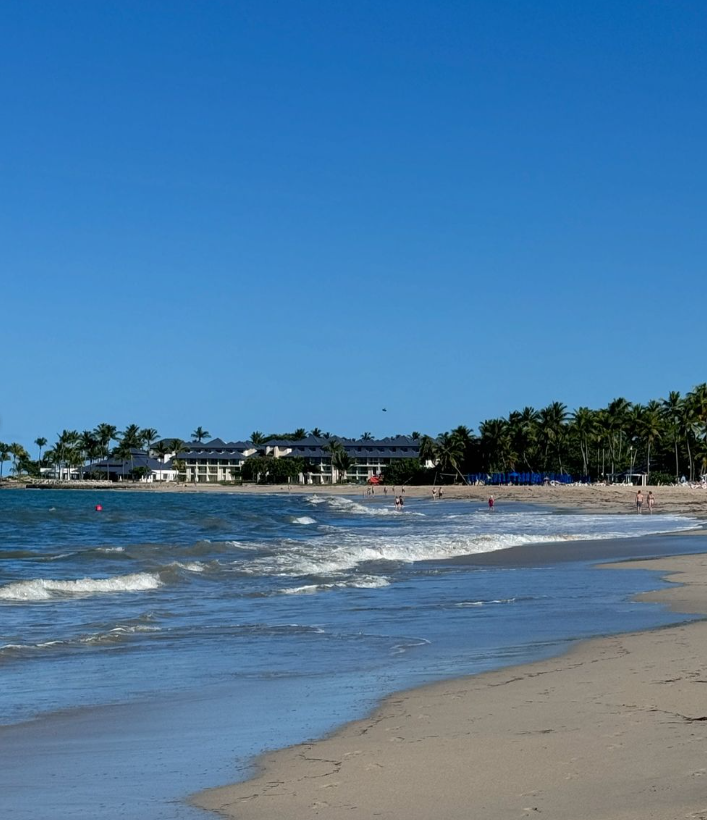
264,215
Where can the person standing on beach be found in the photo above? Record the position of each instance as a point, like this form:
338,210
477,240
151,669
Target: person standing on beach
651,501
434,493
639,502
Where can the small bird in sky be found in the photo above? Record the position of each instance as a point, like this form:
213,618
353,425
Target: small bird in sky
385,409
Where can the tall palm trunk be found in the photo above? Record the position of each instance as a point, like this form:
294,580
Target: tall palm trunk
689,457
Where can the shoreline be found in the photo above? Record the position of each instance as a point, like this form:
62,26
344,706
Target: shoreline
611,729
615,498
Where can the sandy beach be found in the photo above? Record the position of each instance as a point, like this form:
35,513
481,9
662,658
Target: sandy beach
616,729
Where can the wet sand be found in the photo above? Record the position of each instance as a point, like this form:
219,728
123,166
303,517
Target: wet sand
615,729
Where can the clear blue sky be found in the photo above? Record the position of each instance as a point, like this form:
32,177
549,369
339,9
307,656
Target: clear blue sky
264,215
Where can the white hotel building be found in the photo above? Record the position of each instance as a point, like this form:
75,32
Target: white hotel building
217,460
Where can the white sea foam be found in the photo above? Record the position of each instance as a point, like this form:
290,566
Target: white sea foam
350,507
304,519
189,566
118,633
360,582
111,636
344,549
42,589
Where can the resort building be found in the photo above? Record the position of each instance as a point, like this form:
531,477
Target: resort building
140,466
368,458
213,461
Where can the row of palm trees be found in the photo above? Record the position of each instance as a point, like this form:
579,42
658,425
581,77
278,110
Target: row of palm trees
72,449
667,436
13,452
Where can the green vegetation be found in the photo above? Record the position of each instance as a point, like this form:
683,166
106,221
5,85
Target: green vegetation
665,438
269,470
662,438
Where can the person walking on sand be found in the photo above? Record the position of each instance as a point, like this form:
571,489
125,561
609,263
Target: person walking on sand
639,502
651,501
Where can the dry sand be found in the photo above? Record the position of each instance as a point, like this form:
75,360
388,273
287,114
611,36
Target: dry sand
616,729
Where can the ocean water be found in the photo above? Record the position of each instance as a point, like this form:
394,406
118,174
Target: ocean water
150,650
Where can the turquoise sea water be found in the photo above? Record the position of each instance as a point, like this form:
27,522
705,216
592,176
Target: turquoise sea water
150,650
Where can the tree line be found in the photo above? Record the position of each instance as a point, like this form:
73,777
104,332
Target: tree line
665,438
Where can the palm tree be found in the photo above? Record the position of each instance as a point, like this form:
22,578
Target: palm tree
162,449
428,451
148,435
671,408
552,424
316,432
131,439
299,434
4,455
67,441
200,434
698,401
450,451
18,453
131,436
105,433
366,437
650,426
495,444
415,436
336,449
177,446
124,451
88,446
617,417
257,437
584,425
342,461
523,431
41,442
688,426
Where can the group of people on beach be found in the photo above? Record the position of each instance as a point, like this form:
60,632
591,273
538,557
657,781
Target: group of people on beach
650,501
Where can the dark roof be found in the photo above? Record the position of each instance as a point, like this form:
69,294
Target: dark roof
321,441
140,459
214,455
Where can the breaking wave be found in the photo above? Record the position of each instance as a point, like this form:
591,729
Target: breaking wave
42,589
363,582
342,504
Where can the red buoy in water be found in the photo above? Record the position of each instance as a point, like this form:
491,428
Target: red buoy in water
99,508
